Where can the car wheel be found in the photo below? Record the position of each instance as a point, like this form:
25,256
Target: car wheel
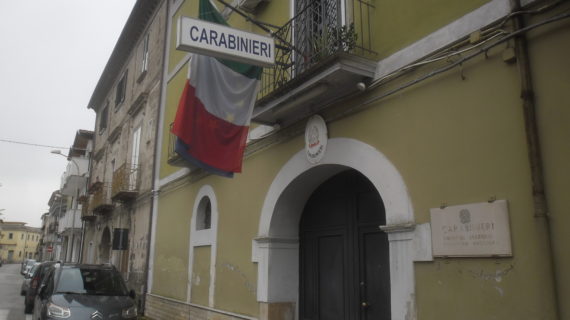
28,308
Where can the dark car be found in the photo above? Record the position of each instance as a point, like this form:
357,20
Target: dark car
37,278
81,291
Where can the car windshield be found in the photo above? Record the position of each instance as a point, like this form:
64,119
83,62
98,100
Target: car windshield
103,282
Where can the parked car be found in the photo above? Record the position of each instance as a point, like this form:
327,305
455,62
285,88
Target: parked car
27,263
37,279
81,291
28,279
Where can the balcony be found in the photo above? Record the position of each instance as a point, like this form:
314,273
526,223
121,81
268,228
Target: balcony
86,214
101,199
70,220
53,227
125,183
74,176
320,56
174,159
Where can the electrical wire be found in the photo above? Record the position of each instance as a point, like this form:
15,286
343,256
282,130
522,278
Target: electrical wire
459,62
496,30
33,144
435,59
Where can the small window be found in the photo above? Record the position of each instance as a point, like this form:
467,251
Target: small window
103,118
121,90
145,55
22,236
204,217
10,236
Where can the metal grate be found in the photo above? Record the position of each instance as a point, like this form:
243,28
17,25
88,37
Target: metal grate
319,29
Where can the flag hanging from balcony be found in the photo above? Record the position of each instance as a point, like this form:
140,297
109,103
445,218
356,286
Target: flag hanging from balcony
215,108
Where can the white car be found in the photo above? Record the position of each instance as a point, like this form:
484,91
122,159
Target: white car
28,279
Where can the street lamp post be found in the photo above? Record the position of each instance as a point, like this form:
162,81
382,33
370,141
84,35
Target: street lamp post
76,202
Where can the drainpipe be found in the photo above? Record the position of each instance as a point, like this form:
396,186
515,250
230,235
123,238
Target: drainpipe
533,143
156,163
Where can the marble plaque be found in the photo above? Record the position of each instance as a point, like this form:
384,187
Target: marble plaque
471,230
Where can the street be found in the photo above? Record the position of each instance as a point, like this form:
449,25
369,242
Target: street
11,302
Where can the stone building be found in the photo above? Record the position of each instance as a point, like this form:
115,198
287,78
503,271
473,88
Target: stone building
126,102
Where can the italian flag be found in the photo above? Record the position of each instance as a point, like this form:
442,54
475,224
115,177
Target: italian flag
215,108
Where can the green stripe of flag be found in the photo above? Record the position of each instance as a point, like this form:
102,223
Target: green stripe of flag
208,12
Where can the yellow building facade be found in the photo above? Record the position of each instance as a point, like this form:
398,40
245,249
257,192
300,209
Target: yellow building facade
439,190
18,242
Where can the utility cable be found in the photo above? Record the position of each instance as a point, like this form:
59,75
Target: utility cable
466,58
33,144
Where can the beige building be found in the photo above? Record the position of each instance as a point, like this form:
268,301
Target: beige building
18,242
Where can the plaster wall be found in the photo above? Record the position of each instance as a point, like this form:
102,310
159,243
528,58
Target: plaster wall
456,138
454,141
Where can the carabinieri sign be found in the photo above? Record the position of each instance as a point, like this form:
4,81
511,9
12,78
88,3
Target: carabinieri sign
223,42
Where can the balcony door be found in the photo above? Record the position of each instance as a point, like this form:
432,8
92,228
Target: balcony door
135,159
344,258
314,24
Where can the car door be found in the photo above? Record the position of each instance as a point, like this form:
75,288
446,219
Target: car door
45,291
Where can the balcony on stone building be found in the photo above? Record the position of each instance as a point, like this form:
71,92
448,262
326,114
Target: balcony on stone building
125,183
86,213
101,202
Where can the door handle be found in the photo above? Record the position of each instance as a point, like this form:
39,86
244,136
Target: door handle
364,304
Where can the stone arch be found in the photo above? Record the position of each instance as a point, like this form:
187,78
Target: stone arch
276,248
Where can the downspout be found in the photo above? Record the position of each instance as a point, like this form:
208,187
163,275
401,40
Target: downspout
155,164
533,143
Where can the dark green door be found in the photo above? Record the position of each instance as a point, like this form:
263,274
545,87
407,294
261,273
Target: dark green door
344,263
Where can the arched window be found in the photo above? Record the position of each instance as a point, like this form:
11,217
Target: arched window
204,214
203,245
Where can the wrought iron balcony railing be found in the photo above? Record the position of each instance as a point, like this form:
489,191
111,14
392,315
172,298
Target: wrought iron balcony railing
174,159
125,182
319,30
86,213
101,199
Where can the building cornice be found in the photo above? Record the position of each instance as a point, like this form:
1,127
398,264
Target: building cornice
143,12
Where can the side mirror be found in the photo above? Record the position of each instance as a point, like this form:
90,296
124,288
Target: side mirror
132,294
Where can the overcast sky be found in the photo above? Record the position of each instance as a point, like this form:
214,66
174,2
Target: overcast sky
52,54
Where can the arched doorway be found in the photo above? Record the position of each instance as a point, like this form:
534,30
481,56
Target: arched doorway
276,247
105,246
344,257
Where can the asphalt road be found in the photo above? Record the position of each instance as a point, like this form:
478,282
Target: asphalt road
11,302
